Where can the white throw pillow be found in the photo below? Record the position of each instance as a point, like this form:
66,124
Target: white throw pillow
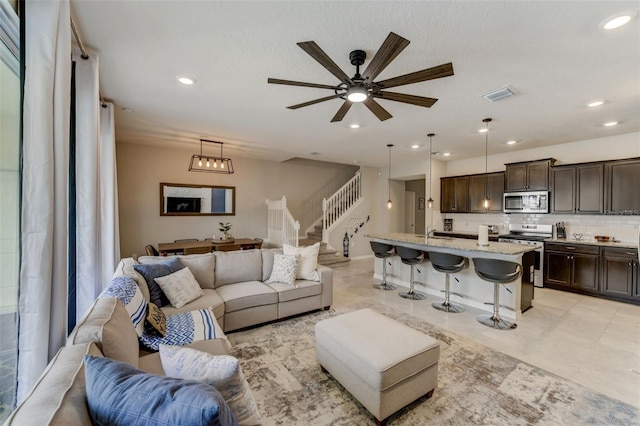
284,270
220,371
307,268
180,287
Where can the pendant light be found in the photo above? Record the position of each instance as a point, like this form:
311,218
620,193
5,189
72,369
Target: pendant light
430,200
210,163
486,201
389,203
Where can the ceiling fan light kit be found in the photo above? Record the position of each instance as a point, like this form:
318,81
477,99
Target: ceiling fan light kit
361,88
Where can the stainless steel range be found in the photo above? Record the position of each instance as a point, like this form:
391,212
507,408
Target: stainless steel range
532,235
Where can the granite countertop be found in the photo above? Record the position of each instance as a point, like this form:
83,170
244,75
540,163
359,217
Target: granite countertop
619,244
454,243
469,233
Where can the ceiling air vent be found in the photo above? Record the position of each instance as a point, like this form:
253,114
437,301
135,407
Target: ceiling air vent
501,93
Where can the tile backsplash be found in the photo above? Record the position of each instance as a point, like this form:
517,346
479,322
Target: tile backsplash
623,228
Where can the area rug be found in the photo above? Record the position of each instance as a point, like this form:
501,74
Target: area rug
476,385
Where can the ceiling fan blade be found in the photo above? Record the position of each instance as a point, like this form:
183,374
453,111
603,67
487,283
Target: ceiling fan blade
342,111
391,47
315,101
444,70
377,110
300,83
323,59
407,99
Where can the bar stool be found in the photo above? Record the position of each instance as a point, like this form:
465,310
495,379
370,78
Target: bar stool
498,272
448,264
411,257
383,251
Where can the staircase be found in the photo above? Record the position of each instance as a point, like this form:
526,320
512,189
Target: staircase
326,256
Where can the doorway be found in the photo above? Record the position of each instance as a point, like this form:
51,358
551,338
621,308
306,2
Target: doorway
410,212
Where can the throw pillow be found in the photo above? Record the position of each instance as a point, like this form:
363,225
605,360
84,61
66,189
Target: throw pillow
185,328
307,269
119,394
152,271
284,269
221,371
156,320
180,287
126,289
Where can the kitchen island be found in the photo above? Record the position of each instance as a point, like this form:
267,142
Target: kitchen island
471,290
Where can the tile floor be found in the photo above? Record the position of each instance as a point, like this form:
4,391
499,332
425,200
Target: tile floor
593,342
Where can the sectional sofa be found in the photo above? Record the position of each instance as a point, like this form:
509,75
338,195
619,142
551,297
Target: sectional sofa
233,289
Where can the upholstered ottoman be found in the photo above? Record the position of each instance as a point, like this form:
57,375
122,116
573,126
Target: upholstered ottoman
384,364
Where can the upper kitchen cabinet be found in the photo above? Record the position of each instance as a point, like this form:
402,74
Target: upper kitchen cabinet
494,188
528,176
622,195
578,188
454,194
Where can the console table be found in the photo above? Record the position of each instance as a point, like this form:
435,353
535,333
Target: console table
209,245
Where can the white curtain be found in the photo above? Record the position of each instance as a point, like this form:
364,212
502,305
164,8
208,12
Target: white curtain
43,272
97,243
45,214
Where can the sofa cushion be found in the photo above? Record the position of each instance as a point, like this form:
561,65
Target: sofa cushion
302,289
125,268
267,262
247,295
107,323
284,269
185,328
58,398
307,269
209,299
237,266
180,287
151,271
221,371
128,292
200,265
118,394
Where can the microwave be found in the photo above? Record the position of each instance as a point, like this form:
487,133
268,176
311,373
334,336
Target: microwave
526,202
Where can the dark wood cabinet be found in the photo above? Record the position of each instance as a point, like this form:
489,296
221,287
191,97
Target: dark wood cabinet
494,184
572,266
578,188
621,187
454,194
563,189
529,176
620,272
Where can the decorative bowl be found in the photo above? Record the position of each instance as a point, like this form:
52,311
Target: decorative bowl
602,238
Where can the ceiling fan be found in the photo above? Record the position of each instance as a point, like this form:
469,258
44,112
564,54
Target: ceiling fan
361,87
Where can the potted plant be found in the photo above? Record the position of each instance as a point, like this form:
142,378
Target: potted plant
225,228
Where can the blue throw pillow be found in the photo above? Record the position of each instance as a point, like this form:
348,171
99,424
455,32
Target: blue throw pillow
151,271
119,394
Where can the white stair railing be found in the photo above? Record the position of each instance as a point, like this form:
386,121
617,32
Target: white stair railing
282,228
340,203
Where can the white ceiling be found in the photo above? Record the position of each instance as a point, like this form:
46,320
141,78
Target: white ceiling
554,53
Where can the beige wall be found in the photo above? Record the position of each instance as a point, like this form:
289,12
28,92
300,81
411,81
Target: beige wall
142,168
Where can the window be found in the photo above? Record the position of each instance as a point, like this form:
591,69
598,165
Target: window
9,203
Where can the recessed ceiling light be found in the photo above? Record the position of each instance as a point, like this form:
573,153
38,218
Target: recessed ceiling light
610,123
355,161
446,154
511,142
127,110
354,126
617,21
187,81
595,104
483,130
415,146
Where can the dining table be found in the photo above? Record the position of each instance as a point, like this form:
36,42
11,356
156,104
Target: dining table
202,246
